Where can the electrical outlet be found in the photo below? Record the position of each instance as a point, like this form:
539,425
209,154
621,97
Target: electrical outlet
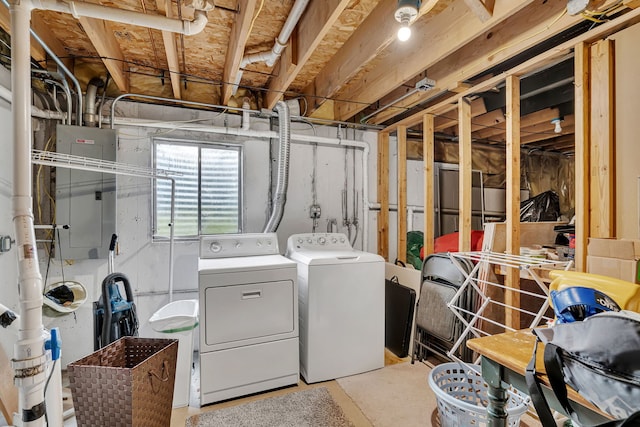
315,211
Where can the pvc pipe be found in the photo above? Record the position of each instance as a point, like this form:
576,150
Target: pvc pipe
157,22
35,111
270,57
267,134
29,357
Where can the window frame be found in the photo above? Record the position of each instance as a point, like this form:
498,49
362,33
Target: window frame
200,145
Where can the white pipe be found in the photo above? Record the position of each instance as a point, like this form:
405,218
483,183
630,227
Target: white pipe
157,22
171,237
267,134
35,111
29,356
270,57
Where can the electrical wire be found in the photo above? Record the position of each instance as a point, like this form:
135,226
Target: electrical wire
46,385
253,21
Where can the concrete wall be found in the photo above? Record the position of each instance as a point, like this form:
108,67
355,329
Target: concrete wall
146,262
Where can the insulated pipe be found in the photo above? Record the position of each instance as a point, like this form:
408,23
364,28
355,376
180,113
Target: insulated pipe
310,139
157,22
282,182
270,57
35,111
29,359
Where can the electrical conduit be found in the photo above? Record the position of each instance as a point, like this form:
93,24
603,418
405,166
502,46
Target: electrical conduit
282,181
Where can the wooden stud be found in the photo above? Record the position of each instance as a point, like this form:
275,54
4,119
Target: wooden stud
383,195
602,163
428,154
402,194
512,299
465,192
483,10
582,144
235,51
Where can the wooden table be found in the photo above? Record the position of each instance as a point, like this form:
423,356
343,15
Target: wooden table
504,360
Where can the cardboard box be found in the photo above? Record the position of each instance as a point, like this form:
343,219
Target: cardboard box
614,258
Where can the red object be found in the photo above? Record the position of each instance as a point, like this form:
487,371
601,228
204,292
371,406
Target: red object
449,242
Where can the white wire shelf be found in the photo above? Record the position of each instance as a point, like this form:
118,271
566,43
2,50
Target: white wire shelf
70,161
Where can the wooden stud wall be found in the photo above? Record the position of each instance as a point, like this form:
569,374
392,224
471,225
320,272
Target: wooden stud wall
512,299
464,201
582,144
602,141
383,195
402,194
428,156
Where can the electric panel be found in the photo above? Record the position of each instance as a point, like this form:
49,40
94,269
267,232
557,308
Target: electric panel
86,201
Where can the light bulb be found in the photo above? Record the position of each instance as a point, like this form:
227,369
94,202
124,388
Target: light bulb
404,33
558,127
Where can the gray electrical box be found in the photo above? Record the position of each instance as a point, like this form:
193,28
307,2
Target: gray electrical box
86,201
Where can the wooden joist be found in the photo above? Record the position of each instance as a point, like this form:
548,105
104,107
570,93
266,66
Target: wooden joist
170,49
482,9
383,195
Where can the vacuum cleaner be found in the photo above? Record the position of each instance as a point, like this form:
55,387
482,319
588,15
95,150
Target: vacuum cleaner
114,316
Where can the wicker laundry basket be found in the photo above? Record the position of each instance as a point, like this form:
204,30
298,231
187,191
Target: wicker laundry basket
127,383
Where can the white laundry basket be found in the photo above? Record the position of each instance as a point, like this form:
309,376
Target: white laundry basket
178,320
461,394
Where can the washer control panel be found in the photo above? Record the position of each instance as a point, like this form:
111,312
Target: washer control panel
237,245
330,241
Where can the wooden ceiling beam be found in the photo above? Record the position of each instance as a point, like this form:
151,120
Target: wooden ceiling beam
101,35
313,26
170,49
531,27
37,52
541,116
375,33
482,9
545,131
450,118
445,33
237,43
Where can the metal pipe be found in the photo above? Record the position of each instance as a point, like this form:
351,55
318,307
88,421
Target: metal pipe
157,22
29,359
34,111
171,237
90,118
59,81
282,182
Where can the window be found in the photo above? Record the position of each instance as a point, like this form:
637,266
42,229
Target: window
208,194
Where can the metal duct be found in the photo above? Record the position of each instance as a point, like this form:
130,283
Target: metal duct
282,182
90,116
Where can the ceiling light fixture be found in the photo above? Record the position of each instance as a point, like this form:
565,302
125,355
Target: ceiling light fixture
556,122
406,13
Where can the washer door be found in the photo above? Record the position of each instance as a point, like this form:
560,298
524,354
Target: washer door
240,312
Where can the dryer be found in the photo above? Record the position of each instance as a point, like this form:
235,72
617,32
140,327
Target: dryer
248,316
341,305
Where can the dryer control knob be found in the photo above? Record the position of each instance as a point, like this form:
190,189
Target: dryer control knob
238,244
259,243
342,240
322,240
300,240
215,247
334,240
309,240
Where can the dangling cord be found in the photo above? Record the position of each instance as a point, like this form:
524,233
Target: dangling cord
53,238
61,258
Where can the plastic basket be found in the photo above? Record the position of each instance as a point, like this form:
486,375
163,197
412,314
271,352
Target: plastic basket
127,383
461,394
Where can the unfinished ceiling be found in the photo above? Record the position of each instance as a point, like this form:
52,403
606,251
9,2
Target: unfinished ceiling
343,60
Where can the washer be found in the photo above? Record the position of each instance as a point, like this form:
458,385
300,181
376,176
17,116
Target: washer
249,316
341,302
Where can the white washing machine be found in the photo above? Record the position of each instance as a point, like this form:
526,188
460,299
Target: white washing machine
341,303
248,316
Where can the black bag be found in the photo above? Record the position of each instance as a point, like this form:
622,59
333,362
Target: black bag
599,358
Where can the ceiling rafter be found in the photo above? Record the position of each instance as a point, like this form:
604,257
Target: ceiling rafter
101,35
235,51
313,26
170,49
40,28
374,35
446,32
541,116
530,27
482,9
450,118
